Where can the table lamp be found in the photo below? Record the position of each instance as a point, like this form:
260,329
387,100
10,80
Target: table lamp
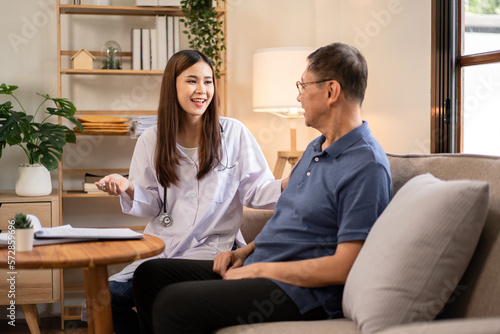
275,72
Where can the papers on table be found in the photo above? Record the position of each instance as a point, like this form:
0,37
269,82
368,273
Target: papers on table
69,232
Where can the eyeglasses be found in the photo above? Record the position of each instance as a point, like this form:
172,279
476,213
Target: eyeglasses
302,85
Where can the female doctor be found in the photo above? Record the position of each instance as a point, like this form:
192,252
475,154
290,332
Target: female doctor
193,173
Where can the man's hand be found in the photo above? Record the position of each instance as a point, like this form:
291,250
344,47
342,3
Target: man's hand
309,273
232,259
255,270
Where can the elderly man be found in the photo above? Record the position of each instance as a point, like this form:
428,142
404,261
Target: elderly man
297,266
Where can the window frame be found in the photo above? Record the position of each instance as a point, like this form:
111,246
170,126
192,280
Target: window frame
447,124
464,61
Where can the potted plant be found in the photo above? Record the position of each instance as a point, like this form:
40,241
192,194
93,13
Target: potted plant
204,31
23,230
41,141
112,52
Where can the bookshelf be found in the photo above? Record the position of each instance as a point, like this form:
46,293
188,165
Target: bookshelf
69,11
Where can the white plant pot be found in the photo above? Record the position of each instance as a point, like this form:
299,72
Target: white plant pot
33,180
24,239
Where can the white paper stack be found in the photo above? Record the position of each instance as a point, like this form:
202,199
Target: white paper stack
140,123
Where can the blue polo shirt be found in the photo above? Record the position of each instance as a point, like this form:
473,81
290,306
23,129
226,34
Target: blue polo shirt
332,196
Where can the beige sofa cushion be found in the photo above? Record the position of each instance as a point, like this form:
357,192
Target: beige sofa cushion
334,326
457,326
416,253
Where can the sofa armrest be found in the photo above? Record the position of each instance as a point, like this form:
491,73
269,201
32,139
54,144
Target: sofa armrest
455,326
252,222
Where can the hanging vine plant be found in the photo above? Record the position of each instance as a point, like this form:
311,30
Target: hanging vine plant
203,30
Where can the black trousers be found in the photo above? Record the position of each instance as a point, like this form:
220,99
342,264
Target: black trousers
186,296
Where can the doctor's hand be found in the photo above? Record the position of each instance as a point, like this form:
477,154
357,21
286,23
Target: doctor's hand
116,184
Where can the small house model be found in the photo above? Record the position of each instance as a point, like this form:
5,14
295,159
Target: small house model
83,60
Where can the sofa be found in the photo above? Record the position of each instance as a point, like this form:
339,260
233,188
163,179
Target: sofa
432,259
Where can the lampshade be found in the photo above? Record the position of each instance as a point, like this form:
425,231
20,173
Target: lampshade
275,72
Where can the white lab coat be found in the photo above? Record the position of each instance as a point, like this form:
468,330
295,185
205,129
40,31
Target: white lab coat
206,213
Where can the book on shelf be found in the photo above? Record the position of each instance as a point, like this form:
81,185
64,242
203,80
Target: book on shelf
163,3
146,49
177,34
136,48
151,48
146,2
90,187
170,36
169,3
161,35
154,50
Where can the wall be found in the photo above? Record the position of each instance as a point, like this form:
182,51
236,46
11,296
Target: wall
394,35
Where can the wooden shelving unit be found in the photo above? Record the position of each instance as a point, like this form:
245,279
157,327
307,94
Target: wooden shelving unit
73,313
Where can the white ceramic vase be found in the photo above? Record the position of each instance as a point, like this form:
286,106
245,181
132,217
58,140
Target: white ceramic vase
33,180
24,239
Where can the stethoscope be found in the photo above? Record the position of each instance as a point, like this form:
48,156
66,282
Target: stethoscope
165,219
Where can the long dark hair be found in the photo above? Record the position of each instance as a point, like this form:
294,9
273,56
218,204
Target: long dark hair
169,110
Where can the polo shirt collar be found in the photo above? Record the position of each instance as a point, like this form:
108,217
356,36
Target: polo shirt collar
342,144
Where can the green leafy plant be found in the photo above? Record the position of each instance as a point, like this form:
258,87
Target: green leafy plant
112,60
483,7
21,221
41,141
204,30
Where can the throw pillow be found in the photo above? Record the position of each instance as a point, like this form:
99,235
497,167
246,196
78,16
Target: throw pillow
416,253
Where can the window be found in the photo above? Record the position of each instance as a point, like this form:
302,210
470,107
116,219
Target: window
466,69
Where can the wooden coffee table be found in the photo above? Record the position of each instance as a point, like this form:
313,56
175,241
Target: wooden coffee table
94,257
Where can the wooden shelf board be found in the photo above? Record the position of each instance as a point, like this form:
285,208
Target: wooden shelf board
119,10
111,72
118,112
72,312
74,288
94,53
96,171
127,134
81,194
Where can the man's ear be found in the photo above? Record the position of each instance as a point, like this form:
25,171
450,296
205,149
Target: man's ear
333,90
